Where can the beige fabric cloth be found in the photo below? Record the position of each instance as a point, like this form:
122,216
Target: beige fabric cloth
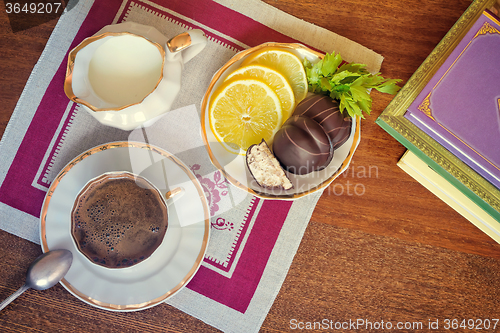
301,30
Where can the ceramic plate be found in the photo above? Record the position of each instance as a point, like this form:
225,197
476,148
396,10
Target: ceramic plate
174,262
234,166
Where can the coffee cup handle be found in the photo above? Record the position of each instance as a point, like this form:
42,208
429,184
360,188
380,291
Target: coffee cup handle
186,45
173,195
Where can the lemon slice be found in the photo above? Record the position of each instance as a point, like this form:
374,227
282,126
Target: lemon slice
273,79
287,64
243,112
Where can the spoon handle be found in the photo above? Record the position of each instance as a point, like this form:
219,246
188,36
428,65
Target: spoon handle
13,296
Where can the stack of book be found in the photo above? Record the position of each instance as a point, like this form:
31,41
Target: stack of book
448,116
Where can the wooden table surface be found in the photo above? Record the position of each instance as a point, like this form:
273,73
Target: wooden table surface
394,253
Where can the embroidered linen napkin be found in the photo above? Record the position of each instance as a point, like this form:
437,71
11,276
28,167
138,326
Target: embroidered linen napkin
253,241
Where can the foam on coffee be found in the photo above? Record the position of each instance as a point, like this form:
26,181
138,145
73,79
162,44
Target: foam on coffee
118,220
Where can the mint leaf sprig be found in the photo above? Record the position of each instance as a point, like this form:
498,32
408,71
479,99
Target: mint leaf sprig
348,83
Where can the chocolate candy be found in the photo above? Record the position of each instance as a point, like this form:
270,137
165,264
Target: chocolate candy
265,168
302,146
326,112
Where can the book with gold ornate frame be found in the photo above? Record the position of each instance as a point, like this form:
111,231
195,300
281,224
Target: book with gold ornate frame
413,126
460,106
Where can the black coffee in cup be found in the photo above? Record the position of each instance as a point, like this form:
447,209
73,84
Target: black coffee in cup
118,220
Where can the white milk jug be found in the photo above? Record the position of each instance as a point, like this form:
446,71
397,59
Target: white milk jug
128,74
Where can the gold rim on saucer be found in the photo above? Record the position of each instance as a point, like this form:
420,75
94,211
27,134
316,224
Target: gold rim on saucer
199,258
204,109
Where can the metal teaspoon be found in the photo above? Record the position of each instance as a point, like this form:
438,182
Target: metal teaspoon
45,272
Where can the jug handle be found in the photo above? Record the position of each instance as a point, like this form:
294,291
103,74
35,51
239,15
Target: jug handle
187,45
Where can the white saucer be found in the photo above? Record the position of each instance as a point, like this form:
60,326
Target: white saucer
169,268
